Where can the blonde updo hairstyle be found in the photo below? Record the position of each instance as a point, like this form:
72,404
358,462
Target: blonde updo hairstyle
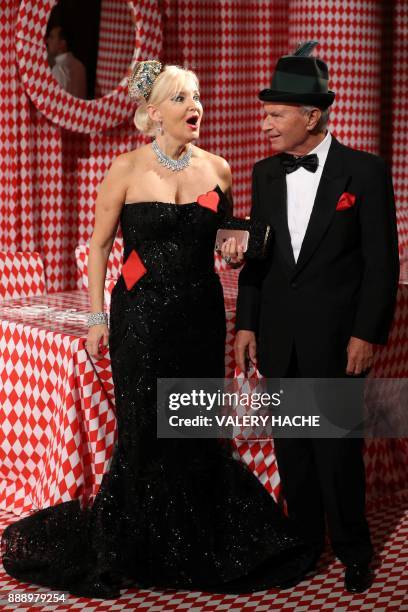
169,82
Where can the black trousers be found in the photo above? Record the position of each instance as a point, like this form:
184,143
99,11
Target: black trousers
325,479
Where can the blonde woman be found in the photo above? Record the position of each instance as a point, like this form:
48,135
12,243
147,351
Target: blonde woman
174,513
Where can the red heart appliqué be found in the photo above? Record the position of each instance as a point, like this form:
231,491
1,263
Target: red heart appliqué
133,269
346,200
209,200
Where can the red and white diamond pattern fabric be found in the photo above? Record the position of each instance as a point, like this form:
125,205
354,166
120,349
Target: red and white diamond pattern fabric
259,456
322,590
58,106
350,42
22,275
229,345
386,460
17,183
229,281
115,45
365,46
50,176
109,285
58,410
398,106
229,45
219,263
57,419
386,464
391,361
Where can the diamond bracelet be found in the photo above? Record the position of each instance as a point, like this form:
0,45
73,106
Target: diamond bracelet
96,318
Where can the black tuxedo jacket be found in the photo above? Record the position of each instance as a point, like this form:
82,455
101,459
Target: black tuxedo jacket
345,280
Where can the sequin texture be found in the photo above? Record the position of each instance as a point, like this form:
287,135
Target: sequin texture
174,513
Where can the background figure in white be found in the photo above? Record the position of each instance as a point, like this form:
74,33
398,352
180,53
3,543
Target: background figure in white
66,68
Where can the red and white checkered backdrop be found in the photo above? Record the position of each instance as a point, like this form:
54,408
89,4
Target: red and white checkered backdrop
116,45
50,176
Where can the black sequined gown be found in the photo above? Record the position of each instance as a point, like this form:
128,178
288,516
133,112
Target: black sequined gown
170,512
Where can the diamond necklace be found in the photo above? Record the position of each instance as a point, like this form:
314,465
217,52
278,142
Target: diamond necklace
172,164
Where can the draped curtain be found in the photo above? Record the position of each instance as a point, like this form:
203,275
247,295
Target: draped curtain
50,177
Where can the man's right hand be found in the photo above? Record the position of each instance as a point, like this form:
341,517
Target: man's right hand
244,348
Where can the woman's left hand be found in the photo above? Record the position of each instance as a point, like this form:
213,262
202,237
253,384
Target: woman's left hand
231,253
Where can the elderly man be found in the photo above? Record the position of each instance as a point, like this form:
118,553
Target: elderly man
323,297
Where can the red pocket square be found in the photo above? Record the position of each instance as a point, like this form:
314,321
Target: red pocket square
133,269
346,200
209,200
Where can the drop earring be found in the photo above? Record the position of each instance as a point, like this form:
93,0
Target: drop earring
160,128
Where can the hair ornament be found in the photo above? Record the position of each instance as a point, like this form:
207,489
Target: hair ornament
141,80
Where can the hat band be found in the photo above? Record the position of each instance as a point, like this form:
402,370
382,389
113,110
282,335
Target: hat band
298,83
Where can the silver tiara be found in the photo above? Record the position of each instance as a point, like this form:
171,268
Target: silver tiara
142,78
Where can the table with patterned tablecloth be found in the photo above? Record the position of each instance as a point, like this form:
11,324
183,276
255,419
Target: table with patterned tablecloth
57,418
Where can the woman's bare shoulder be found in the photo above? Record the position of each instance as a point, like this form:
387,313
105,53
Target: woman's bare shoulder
217,160
218,163
128,161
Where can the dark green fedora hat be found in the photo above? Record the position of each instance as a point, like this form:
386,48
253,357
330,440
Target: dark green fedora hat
301,79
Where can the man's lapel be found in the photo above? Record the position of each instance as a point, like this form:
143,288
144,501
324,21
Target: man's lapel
333,183
276,195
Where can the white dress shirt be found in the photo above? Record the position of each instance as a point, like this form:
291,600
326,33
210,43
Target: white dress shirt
301,193
70,74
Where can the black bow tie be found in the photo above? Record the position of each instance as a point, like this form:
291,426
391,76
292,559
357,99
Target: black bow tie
292,163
